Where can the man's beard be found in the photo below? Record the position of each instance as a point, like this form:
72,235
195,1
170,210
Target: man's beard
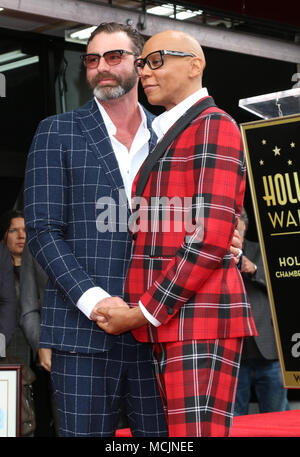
112,92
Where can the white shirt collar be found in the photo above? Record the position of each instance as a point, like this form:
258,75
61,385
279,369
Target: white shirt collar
129,161
164,121
110,126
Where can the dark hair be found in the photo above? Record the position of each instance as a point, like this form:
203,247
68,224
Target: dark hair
5,220
136,38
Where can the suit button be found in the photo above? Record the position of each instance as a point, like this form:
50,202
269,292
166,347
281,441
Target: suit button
170,311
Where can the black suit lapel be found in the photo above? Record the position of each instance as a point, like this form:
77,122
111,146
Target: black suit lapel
168,138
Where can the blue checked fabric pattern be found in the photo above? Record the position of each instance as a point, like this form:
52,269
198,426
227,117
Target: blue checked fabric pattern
71,164
89,389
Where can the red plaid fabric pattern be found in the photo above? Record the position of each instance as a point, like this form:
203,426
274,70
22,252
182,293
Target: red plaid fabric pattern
198,382
189,281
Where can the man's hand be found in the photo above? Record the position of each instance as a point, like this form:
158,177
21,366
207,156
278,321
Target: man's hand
109,302
45,357
121,320
236,246
248,266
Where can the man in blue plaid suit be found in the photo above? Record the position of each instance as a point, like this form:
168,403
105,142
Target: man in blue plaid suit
78,162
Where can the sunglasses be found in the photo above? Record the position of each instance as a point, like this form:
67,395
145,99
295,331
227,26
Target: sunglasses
91,60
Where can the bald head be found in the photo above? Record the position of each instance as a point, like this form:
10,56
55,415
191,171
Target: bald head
174,40
179,75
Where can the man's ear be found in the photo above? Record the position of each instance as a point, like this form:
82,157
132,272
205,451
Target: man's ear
196,67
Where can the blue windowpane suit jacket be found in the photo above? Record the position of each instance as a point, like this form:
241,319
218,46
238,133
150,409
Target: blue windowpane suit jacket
70,166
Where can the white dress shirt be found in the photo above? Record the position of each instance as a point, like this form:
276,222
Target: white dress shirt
129,163
164,121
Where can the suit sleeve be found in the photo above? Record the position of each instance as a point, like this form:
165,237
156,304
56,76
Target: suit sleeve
219,181
8,298
259,276
46,209
30,301
255,256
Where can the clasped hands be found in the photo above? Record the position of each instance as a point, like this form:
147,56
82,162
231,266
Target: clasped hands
113,315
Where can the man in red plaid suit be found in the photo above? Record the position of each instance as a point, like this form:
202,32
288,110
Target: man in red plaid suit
185,294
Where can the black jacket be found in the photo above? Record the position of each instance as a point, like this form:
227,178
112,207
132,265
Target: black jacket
258,296
8,298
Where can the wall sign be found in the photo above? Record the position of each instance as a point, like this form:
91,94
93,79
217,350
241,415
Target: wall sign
273,160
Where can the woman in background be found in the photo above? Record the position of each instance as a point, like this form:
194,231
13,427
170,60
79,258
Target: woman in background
13,235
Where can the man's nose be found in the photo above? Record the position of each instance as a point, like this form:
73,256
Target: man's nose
102,64
146,71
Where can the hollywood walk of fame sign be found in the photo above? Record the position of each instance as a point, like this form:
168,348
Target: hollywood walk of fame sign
272,149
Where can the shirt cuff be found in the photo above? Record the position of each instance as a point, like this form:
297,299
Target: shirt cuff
89,299
149,316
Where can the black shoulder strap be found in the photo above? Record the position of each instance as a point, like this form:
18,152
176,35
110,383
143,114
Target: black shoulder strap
168,138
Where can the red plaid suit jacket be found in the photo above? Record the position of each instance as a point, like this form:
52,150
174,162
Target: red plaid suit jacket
181,267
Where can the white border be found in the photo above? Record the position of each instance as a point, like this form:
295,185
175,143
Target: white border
8,402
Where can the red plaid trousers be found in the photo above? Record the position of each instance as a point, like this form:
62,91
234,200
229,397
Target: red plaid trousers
197,381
